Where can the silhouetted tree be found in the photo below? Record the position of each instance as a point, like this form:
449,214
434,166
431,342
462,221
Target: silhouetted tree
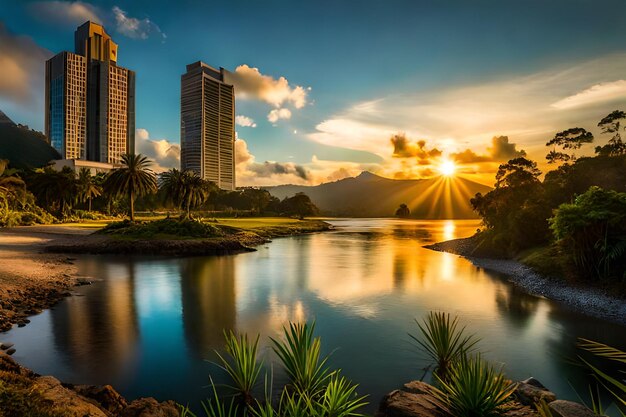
299,205
570,139
403,211
613,124
87,187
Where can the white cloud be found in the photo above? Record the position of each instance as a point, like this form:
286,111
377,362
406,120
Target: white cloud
251,84
244,121
599,93
135,28
165,154
278,114
71,13
22,69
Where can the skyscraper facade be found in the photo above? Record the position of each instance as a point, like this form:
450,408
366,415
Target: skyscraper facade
90,100
207,125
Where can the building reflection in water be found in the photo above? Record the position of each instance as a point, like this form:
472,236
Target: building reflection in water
99,333
208,302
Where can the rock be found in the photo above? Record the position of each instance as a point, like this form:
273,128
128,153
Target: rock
109,399
149,407
72,404
409,404
531,391
11,351
21,324
563,408
5,346
515,409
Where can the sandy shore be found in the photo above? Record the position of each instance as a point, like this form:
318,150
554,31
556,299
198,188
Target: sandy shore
31,280
586,300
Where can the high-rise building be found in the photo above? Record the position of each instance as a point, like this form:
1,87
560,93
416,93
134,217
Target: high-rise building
207,125
90,100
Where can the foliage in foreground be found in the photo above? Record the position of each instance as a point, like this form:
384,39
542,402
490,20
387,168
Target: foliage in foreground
443,341
474,388
314,390
19,398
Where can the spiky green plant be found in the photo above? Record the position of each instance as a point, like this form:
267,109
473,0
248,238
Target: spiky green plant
340,398
300,354
474,388
213,407
543,409
615,386
443,340
241,364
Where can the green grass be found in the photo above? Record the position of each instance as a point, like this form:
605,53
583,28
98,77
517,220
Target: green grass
546,260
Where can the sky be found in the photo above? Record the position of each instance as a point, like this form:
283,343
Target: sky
327,89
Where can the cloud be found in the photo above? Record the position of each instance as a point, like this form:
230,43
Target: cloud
135,28
278,114
165,154
500,150
404,148
22,69
251,84
252,173
599,93
458,118
72,13
244,121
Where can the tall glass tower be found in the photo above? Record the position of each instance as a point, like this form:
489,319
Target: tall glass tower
207,125
90,100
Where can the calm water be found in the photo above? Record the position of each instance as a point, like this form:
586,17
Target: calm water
150,324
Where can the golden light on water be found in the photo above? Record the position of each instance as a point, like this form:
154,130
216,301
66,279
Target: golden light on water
447,168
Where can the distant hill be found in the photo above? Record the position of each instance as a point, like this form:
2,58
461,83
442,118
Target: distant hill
23,147
370,195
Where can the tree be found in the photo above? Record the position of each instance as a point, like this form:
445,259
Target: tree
613,124
572,139
299,205
185,189
87,187
593,231
403,211
134,179
55,190
12,187
517,172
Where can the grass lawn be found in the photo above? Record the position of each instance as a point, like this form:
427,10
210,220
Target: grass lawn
256,222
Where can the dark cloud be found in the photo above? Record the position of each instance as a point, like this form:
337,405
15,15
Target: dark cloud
268,169
404,148
501,150
22,66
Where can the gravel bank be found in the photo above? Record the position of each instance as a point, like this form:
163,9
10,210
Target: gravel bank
588,301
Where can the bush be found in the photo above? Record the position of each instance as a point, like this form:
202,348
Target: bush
185,228
593,231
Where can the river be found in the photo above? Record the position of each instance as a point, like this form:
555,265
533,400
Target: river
149,326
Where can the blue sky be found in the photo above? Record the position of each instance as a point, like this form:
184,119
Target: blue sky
452,73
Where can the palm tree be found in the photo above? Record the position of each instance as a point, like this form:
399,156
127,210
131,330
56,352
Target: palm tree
186,189
55,190
134,178
87,186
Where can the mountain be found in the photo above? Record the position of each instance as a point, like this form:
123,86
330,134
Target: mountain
370,195
23,147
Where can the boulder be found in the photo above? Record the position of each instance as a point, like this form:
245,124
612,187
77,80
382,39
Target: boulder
109,399
149,407
531,391
415,399
563,408
72,404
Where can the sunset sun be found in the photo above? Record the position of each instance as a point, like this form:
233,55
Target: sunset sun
447,168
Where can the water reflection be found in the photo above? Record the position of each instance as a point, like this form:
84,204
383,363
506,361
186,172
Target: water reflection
208,302
148,327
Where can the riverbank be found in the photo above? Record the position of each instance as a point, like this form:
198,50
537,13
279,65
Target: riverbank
586,300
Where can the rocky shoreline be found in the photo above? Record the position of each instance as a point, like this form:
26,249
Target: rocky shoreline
26,391
590,301
416,399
